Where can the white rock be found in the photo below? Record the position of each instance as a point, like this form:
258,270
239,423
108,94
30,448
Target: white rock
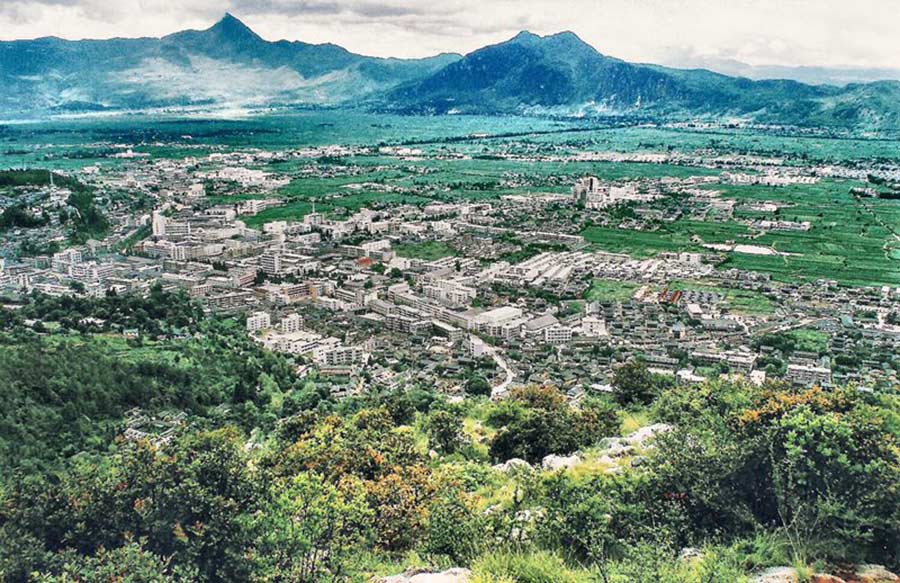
606,460
874,574
510,464
642,436
455,575
618,449
559,462
777,575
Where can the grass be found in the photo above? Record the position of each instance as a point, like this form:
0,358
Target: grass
741,301
634,420
426,251
809,340
610,290
533,567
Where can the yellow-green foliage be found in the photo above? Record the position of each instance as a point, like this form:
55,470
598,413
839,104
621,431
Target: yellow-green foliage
534,567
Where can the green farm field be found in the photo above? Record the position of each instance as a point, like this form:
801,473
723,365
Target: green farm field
851,240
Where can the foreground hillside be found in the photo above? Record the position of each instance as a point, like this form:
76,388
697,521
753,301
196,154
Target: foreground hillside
247,473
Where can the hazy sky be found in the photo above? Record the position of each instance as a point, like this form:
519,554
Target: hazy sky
860,33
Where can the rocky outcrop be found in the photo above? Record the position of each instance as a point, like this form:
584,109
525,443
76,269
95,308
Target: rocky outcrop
873,574
777,575
860,574
510,464
560,462
455,575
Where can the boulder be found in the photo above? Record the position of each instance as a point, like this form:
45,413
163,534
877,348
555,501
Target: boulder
616,448
607,461
560,462
455,575
510,464
873,574
777,575
825,578
690,554
643,436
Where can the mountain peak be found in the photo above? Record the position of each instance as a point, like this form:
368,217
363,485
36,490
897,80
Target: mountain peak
525,35
565,40
231,27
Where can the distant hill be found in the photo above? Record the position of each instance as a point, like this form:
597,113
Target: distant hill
561,74
225,65
229,65
839,76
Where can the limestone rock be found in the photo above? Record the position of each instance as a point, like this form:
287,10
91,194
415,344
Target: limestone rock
560,462
455,575
510,464
873,574
777,575
643,436
618,447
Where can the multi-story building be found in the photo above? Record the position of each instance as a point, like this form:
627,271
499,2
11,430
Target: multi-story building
258,321
805,375
291,323
270,263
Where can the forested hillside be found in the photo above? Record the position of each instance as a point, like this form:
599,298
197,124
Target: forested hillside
269,478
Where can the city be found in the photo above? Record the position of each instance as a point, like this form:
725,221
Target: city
458,303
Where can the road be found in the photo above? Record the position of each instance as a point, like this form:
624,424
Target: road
499,391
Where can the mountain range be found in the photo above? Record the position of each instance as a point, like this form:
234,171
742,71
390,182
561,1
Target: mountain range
229,65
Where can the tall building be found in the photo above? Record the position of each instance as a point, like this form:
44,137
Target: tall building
270,262
159,224
584,188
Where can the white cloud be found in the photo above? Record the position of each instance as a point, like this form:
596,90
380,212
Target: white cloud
784,32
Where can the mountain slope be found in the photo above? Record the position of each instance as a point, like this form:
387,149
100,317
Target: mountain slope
560,74
230,65
529,70
227,64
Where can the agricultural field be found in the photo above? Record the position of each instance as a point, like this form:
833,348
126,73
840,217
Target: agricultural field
852,240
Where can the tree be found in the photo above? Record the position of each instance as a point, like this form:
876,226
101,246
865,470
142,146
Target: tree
537,421
634,384
309,527
444,431
478,386
455,528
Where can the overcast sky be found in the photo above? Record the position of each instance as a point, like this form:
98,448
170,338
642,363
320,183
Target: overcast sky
861,33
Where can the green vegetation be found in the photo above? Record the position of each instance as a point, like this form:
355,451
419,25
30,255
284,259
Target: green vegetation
740,300
34,177
610,290
850,239
17,216
797,340
426,251
85,221
270,478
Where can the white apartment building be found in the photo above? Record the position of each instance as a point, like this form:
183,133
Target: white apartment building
291,323
557,335
270,262
258,321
